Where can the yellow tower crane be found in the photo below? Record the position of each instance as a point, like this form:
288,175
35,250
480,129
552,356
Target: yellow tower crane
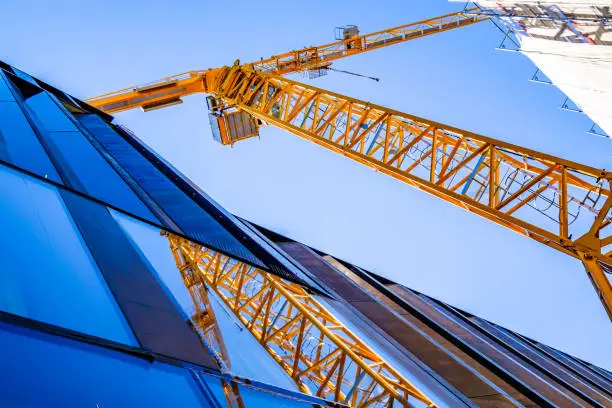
168,91
494,179
489,177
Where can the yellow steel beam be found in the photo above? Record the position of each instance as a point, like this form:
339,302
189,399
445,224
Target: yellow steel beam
313,57
316,349
560,203
168,91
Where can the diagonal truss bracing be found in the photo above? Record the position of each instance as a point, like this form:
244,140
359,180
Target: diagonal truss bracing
316,349
557,202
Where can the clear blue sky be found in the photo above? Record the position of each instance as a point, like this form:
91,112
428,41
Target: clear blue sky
315,196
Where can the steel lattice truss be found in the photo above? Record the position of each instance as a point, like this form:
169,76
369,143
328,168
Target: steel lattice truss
563,204
173,87
559,203
316,349
312,57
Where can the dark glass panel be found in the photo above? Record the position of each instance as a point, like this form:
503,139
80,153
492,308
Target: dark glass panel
5,66
26,88
88,171
20,146
23,75
182,209
46,270
257,364
41,370
153,316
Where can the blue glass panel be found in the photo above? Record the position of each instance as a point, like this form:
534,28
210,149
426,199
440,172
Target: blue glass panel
156,322
5,93
20,146
89,171
50,115
40,370
46,270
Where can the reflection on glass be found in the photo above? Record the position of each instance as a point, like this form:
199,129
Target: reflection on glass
185,289
47,272
248,358
49,113
25,76
21,146
261,399
40,370
203,317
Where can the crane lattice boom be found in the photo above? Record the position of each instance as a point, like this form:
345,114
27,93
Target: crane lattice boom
560,203
313,57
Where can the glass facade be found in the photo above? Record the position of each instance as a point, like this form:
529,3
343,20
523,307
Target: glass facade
49,115
5,93
256,364
255,397
88,170
53,135
47,268
91,308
